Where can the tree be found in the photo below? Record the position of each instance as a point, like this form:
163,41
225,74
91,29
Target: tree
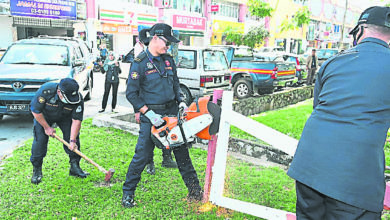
234,35
301,17
259,8
387,5
256,35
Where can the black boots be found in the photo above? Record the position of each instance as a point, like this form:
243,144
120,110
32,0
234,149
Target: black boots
168,162
75,170
128,201
195,196
150,168
37,175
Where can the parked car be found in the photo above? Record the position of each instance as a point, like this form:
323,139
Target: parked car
249,75
29,63
200,71
267,51
300,66
324,54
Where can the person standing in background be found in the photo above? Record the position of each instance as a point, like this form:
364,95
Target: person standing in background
312,65
112,70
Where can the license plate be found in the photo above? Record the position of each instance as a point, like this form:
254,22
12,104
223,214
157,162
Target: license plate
18,107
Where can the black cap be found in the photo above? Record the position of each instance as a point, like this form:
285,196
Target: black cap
70,90
161,29
374,15
143,36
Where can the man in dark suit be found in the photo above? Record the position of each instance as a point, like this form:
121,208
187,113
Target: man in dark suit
339,162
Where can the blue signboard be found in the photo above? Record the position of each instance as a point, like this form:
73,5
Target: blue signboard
59,9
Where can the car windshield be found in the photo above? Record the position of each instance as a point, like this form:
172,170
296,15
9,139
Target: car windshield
214,61
326,53
36,54
243,52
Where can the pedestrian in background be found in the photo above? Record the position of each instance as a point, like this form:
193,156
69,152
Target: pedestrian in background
311,65
112,70
153,89
339,163
103,52
59,103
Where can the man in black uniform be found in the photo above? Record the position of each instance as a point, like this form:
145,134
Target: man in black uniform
59,103
153,89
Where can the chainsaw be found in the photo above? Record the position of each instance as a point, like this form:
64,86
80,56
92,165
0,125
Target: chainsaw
200,119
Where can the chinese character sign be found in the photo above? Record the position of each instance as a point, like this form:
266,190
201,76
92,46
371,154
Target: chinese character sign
59,9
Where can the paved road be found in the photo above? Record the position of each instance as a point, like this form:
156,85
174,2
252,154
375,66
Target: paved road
14,130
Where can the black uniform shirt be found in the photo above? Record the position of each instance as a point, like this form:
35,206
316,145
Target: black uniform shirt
152,80
47,102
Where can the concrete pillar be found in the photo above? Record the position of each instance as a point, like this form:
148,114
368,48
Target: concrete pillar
90,28
209,21
243,10
159,4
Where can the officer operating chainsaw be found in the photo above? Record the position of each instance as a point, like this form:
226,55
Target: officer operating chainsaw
153,90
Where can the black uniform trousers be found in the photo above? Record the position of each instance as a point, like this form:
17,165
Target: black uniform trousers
314,205
39,146
144,150
107,88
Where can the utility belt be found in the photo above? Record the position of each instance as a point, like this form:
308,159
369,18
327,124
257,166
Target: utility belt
162,106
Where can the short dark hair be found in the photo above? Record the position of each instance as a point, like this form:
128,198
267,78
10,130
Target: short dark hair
313,50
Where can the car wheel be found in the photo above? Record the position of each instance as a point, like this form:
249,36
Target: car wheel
242,89
186,95
89,87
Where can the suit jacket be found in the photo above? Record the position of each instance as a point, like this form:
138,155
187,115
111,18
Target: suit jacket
340,153
309,61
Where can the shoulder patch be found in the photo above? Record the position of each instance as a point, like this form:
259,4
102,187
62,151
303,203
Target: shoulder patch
41,99
79,109
134,75
140,57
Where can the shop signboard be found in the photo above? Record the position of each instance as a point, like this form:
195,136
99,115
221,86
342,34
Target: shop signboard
214,8
189,23
57,9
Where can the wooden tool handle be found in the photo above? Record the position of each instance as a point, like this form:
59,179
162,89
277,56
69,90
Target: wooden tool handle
81,154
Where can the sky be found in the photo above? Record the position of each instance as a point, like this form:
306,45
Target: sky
367,3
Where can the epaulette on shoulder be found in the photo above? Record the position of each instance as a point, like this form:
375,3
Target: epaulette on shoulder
140,57
49,91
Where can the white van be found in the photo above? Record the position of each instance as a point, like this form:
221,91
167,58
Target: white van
201,70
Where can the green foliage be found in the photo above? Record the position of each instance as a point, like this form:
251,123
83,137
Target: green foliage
259,8
256,35
387,5
233,35
301,17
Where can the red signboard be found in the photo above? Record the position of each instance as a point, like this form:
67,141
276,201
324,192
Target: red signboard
188,22
214,8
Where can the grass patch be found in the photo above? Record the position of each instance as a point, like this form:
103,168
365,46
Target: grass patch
161,196
289,120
